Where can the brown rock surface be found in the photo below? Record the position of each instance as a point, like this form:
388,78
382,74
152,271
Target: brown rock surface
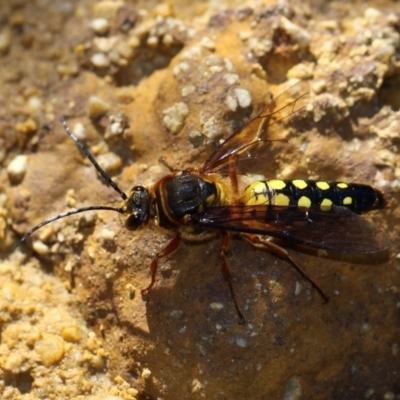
137,82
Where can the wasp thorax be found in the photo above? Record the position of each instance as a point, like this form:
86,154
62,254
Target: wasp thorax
136,208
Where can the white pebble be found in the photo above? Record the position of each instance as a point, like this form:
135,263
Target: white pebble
241,342
100,26
181,68
40,247
97,107
35,103
243,97
231,102
110,162
187,90
17,168
107,234
175,116
99,60
231,79
216,306
146,373
79,131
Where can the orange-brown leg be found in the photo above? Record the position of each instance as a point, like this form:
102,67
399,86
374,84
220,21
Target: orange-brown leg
226,273
166,251
282,253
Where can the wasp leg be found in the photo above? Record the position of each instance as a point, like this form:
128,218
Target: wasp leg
166,251
226,273
282,253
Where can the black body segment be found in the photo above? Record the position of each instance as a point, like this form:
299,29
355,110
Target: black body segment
182,195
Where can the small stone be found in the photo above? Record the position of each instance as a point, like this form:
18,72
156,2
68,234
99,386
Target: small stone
107,234
97,107
188,90
243,97
181,68
40,247
231,102
5,40
50,349
72,334
110,162
175,116
231,79
293,389
241,342
97,362
100,60
17,168
100,26
28,126
79,131
208,43
13,362
146,373
35,104
300,35
216,306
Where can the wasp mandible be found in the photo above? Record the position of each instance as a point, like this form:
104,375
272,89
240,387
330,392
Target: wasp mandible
200,203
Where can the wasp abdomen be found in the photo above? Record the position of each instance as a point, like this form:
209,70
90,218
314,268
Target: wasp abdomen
306,193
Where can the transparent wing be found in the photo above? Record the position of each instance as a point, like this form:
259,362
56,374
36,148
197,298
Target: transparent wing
249,143
339,230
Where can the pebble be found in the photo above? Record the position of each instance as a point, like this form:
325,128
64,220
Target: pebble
100,26
100,60
231,102
97,107
5,41
175,116
110,162
13,362
72,334
17,168
40,247
231,79
243,97
79,131
50,349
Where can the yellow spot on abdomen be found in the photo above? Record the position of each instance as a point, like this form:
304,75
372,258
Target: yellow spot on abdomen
323,185
347,201
258,187
342,185
276,184
300,183
304,202
255,194
281,200
326,205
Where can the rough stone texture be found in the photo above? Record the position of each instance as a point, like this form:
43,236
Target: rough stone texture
184,340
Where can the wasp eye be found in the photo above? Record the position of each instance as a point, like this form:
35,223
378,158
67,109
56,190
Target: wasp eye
133,222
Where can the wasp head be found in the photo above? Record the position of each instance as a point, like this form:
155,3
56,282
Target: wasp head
136,208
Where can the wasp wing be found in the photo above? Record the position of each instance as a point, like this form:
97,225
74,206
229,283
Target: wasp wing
339,230
248,142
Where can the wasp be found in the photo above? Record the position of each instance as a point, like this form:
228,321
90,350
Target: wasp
200,203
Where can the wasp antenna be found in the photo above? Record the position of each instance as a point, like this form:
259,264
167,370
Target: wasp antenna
89,155
63,215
